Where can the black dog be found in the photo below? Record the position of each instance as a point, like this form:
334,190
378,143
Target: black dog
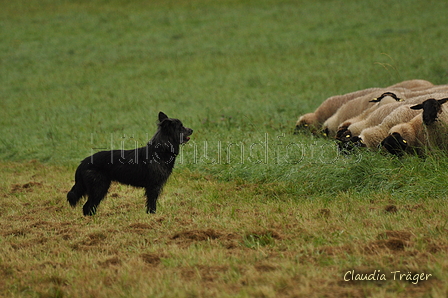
148,167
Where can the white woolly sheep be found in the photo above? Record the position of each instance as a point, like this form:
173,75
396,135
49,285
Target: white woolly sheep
357,106
435,120
385,99
354,108
371,137
314,121
406,137
357,124
413,136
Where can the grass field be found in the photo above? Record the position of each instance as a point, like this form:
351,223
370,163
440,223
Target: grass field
251,210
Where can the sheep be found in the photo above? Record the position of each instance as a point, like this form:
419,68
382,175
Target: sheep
384,99
348,138
435,122
413,136
372,137
352,109
373,119
360,104
314,121
354,126
406,137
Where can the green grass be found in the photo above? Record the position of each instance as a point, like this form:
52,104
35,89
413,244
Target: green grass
251,210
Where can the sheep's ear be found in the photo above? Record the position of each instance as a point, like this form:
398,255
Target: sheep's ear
391,94
162,116
443,100
417,107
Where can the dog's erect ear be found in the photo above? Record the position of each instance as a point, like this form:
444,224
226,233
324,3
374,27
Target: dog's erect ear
162,116
417,107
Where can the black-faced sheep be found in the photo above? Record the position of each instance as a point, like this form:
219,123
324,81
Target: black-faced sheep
384,99
376,117
354,108
359,105
406,137
313,121
372,137
435,121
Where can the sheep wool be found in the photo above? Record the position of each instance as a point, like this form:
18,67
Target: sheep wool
353,108
382,112
314,121
385,99
373,136
413,84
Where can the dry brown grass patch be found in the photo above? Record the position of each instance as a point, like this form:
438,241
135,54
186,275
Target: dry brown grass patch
208,244
26,187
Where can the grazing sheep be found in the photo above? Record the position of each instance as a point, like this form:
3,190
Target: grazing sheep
406,137
381,111
314,121
435,120
371,137
384,99
373,119
348,138
352,109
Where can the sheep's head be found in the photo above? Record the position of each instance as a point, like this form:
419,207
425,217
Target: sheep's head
347,144
306,122
431,108
357,142
395,144
378,99
343,134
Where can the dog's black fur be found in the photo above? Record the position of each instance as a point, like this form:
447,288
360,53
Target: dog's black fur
148,167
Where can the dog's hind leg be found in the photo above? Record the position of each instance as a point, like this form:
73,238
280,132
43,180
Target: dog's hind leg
151,199
97,189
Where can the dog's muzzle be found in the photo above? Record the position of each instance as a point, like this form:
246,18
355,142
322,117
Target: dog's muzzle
186,136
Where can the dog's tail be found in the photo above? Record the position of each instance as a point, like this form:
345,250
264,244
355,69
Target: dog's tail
78,190
74,195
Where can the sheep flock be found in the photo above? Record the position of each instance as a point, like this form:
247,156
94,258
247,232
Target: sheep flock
407,117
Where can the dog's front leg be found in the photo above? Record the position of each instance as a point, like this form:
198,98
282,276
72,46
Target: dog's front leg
151,199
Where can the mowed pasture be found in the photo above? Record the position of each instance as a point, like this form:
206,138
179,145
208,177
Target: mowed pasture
251,209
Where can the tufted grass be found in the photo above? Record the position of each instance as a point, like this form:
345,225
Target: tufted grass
252,210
